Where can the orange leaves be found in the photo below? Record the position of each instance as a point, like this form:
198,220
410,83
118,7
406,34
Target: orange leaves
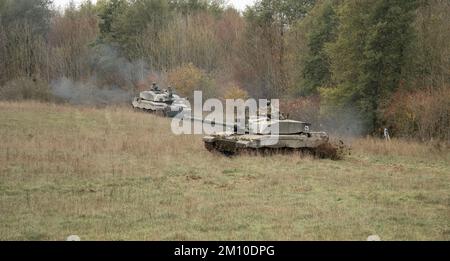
235,92
188,78
423,114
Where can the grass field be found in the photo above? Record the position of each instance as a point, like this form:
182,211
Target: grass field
114,174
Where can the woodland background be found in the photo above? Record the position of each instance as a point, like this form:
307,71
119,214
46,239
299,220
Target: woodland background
357,65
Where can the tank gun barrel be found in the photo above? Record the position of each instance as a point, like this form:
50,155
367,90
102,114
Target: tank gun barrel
235,127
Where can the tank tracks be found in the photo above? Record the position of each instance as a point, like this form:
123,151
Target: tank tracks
324,151
160,113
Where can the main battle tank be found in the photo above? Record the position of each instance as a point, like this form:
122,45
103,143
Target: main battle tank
163,102
292,137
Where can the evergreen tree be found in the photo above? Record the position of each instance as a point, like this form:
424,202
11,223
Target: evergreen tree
109,11
316,68
369,54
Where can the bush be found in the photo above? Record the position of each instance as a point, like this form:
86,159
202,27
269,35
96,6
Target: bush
188,78
423,114
235,92
26,89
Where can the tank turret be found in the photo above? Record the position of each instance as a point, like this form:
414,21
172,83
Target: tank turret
164,102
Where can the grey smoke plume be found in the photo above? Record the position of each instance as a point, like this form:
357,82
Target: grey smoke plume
112,80
79,93
344,123
112,68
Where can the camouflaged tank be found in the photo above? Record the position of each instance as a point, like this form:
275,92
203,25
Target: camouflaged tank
163,102
292,137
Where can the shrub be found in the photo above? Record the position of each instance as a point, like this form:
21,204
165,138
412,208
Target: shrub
423,114
188,78
235,92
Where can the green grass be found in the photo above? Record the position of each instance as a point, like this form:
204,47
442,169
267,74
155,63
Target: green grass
114,174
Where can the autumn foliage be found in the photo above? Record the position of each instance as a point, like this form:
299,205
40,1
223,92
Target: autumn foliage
235,92
188,78
423,114
381,63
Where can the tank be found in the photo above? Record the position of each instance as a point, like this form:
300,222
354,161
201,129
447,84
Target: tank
162,102
293,137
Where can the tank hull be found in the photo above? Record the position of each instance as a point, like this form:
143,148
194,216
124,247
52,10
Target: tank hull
158,107
314,143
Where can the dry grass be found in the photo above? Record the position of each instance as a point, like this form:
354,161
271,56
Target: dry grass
114,174
398,147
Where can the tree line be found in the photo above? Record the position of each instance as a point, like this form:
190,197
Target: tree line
380,63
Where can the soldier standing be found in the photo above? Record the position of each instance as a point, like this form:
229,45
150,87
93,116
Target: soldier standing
155,87
386,134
